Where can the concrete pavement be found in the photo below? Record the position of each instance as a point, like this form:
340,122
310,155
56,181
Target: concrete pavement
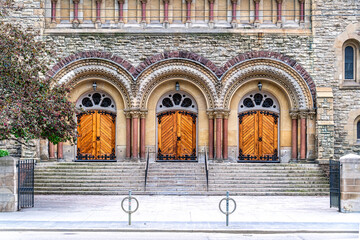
261,214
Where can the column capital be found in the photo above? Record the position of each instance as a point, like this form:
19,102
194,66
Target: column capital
98,1
226,114
279,1
188,1
312,113
210,114
76,1
294,113
143,113
234,1
143,1
303,113
121,1
257,1
54,1
211,1
166,1
301,1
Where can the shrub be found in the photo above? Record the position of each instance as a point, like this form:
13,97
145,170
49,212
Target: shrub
4,153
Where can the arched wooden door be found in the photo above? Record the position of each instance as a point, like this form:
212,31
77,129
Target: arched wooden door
96,140
177,136
258,136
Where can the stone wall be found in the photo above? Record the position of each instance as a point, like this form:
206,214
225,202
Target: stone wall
8,184
350,183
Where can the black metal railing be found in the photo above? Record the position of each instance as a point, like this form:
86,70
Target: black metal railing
334,180
26,183
206,170
146,168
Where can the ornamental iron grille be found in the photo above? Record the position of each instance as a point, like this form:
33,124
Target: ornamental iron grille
334,180
176,118
26,183
258,128
96,127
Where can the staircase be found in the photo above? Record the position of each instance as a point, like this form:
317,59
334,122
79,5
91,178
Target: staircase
180,178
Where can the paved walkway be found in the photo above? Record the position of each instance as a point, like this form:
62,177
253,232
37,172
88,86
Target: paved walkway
181,213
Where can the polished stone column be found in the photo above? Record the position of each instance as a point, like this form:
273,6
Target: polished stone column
211,134
294,134
233,17
302,11
51,150
303,118
166,11
225,135
128,135
121,10
60,152
142,135
188,11
211,11
135,133
53,11
218,135
257,6
76,12
143,11
98,8
279,11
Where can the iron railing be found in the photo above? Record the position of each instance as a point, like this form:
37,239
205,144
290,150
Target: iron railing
206,170
26,183
146,168
334,180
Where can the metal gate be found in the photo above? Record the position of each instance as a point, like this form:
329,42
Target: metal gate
26,183
335,184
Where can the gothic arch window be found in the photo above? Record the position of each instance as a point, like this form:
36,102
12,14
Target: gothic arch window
177,100
358,131
350,62
96,101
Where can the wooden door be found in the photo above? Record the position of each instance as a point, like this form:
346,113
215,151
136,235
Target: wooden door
258,136
177,136
96,140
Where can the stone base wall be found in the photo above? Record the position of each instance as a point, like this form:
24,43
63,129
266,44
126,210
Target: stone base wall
8,184
350,183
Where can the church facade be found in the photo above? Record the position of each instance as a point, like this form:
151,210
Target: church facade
239,80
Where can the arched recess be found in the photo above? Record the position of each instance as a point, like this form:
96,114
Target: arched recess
177,122
167,70
110,78
82,70
281,74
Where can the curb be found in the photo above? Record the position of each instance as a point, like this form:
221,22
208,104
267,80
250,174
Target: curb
231,231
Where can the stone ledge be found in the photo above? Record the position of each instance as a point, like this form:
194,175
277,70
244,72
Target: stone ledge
328,123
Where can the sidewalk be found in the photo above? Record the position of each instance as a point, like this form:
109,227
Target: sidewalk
181,214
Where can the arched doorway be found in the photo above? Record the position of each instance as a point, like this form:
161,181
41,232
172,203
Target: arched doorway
96,127
258,128
176,127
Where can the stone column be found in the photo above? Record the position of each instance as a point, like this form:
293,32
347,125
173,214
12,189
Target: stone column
166,13
121,11
98,8
8,183
128,134
303,118
143,11
135,135
219,117
53,11
294,134
188,11
279,11
225,135
325,130
211,12
60,151
51,151
233,17
142,134
256,15
211,134
76,13
350,183
302,11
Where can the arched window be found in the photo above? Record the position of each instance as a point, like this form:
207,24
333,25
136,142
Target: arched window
349,63
358,131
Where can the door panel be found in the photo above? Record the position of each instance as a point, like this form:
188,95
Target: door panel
177,136
96,139
258,136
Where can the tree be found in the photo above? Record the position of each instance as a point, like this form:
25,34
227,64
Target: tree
31,105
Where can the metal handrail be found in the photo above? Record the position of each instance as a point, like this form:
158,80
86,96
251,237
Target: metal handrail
146,168
206,170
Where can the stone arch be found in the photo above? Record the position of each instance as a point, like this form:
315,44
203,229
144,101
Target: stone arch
287,78
181,69
78,71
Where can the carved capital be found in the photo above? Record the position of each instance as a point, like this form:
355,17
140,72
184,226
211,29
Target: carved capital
98,1
54,1
301,1
143,113
279,1
257,1
294,113
143,1
76,1
121,1
188,1
127,113
226,114
166,1
210,114
304,113
212,1
234,1
312,114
